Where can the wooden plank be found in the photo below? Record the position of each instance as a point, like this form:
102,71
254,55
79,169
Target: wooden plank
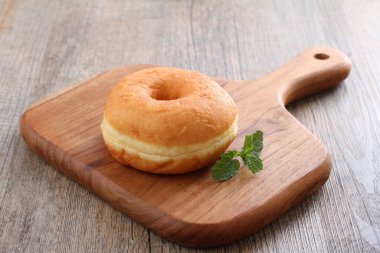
48,45
193,209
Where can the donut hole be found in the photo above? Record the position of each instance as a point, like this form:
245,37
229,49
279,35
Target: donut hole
170,90
164,94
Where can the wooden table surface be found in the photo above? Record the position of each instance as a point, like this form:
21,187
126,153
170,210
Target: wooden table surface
48,45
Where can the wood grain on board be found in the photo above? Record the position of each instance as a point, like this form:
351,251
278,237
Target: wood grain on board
193,209
46,46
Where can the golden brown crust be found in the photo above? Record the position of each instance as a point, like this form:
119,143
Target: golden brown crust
155,110
203,111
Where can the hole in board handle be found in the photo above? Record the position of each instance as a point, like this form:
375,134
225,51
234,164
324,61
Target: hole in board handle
321,56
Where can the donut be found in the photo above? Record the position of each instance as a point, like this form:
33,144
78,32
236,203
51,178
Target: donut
167,120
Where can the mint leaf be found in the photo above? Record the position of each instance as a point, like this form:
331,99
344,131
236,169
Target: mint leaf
253,162
253,145
226,167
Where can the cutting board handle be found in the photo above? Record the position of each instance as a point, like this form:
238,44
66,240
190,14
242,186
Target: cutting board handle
314,70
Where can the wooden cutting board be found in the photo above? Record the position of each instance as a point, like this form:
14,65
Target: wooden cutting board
193,209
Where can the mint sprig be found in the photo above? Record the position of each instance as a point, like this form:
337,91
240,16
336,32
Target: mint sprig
228,166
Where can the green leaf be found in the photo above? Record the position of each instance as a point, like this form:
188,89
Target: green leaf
226,167
253,142
253,145
253,162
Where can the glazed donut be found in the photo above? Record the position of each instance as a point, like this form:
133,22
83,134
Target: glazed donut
168,120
